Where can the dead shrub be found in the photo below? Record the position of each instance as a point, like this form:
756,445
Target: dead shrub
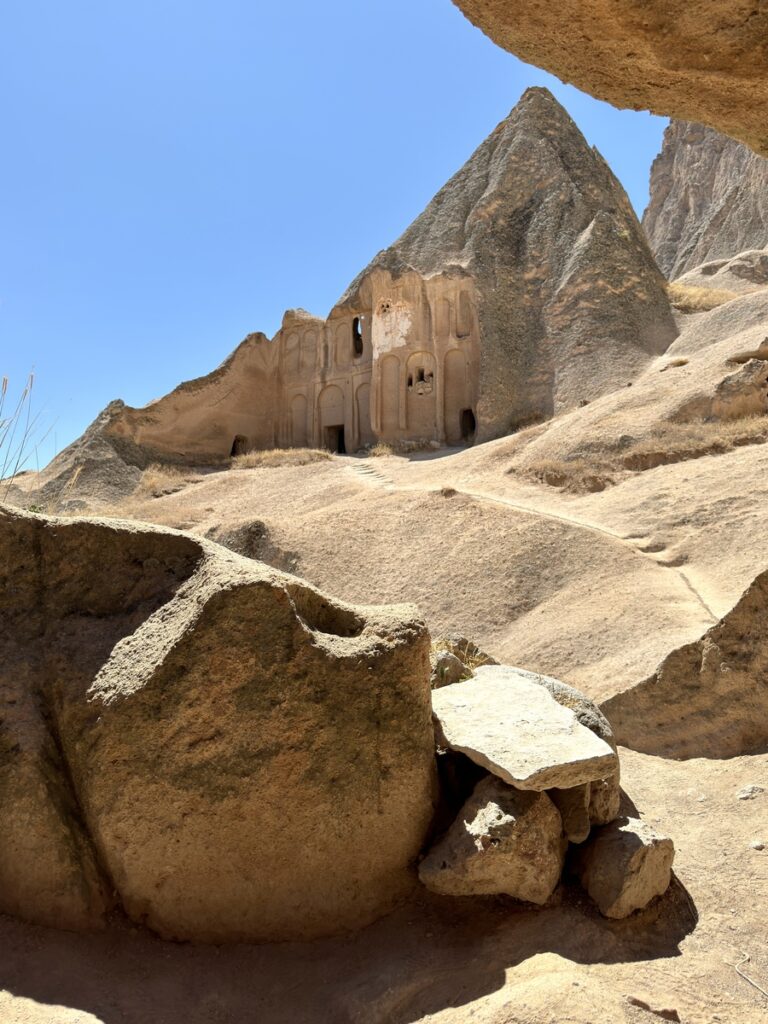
272,458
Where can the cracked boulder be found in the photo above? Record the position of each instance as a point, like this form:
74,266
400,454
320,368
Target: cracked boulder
229,752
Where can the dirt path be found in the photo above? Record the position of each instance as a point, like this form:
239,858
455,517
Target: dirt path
373,476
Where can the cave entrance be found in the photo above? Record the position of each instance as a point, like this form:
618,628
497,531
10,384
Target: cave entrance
334,439
468,425
239,446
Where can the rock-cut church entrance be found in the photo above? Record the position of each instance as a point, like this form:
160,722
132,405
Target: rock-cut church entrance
334,439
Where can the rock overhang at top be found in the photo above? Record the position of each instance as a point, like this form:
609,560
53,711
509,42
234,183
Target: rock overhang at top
510,724
697,62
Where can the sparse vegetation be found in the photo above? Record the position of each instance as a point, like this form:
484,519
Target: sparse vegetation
665,444
380,449
158,479
691,299
17,430
275,457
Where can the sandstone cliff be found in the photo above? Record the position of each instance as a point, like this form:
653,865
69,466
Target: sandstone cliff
703,62
709,199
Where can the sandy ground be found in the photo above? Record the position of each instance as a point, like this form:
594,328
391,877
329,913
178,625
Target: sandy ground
451,961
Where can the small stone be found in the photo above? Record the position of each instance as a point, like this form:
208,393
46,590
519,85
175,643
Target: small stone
625,865
758,844
749,792
503,841
446,669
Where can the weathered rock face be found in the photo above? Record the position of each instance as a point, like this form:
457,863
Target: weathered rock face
708,698
625,865
503,841
705,62
567,301
233,754
505,721
708,200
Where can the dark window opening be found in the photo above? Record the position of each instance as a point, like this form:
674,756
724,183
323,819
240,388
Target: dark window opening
410,380
420,375
357,336
334,439
468,424
239,446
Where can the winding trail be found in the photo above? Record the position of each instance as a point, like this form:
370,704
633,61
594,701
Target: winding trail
374,477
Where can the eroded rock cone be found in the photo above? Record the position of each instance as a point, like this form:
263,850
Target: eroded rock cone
235,755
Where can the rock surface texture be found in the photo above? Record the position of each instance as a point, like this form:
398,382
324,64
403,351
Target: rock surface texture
708,698
508,723
503,841
708,200
217,746
625,865
704,62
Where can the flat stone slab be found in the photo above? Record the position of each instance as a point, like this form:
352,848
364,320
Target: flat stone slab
505,722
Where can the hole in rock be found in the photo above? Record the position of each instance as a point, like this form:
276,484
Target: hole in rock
357,336
334,439
239,445
468,424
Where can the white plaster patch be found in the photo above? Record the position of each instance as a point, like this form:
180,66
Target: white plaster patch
391,326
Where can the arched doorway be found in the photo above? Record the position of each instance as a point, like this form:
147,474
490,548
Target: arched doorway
331,412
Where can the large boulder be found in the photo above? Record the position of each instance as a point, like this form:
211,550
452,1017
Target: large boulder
625,865
232,753
510,724
702,62
503,841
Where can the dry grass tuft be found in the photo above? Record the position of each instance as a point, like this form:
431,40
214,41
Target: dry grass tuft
666,443
380,449
157,480
272,458
691,299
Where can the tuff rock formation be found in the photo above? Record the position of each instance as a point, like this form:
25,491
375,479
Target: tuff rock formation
739,275
704,62
567,301
526,287
708,200
708,698
224,751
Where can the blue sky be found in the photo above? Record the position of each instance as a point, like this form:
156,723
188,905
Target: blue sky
176,174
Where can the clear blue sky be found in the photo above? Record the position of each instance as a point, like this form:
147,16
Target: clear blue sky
176,174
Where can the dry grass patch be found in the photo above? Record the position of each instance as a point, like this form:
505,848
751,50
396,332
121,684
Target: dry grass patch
158,479
689,298
666,443
272,458
380,449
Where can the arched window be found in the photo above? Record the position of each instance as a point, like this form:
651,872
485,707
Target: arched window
357,337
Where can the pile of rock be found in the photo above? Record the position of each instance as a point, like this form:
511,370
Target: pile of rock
553,781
